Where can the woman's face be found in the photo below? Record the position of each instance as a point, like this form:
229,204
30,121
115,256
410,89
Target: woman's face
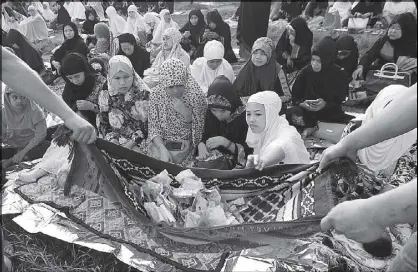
212,25
176,91
194,20
91,17
221,114
151,24
18,102
77,79
214,64
395,32
132,14
316,63
167,17
167,42
122,82
343,54
69,32
259,58
127,48
256,117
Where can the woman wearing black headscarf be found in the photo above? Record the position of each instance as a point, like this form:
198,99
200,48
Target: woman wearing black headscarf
347,55
217,29
399,45
367,9
225,125
191,32
25,50
73,43
319,90
82,86
91,20
63,16
138,56
293,51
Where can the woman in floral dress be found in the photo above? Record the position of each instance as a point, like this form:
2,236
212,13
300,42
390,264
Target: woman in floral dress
124,106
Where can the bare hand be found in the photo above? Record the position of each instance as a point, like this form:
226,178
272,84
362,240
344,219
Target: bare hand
290,63
354,220
254,161
165,155
83,131
56,64
203,151
405,63
216,142
318,104
18,157
187,34
85,105
358,73
306,106
334,152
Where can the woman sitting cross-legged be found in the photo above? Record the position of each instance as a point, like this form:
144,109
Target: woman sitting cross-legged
124,106
176,116
23,130
274,141
261,72
81,92
34,27
211,65
138,56
319,90
225,125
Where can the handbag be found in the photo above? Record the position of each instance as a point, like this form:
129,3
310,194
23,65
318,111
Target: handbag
357,25
330,131
376,80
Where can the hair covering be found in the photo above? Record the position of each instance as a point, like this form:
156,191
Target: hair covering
277,131
88,25
34,28
136,25
31,7
63,16
215,17
407,44
176,51
151,17
98,65
205,75
19,123
47,13
79,11
162,27
326,50
222,95
251,78
384,154
140,58
116,22
304,35
101,30
346,42
98,8
69,6
197,29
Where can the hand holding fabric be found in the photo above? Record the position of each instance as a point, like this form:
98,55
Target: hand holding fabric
85,105
216,142
254,161
83,131
203,151
318,104
18,157
339,150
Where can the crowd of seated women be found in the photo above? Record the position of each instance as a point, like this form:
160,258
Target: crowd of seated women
185,105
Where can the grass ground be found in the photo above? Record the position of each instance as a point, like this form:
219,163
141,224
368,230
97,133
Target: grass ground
39,252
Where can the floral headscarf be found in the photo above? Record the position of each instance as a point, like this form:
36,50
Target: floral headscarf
176,52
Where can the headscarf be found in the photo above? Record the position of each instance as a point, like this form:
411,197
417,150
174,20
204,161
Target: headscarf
88,26
101,30
95,62
251,78
151,17
162,27
304,35
31,7
176,51
407,44
122,63
98,8
136,25
72,64
47,13
140,58
346,42
116,22
26,51
71,43
222,95
69,6
79,11
63,14
203,74
277,129
384,154
20,123
326,50
197,29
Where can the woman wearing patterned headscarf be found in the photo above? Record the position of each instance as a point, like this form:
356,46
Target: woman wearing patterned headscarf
212,65
135,25
260,72
225,125
191,32
34,27
124,106
176,115
165,23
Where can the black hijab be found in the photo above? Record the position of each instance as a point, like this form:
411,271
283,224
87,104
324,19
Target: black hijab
140,58
362,7
407,44
196,30
222,28
304,35
346,42
63,16
24,50
71,43
88,26
222,94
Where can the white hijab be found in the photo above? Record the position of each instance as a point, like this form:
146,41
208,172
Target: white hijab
384,154
69,6
152,17
116,22
97,6
48,14
136,25
162,26
79,11
277,131
201,71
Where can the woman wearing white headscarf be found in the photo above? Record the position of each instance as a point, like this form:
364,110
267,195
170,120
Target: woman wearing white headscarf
69,6
211,65
384,155
135,25
152,21
165,23
34,27
47,13
116,22
79,11
97,6
274,141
